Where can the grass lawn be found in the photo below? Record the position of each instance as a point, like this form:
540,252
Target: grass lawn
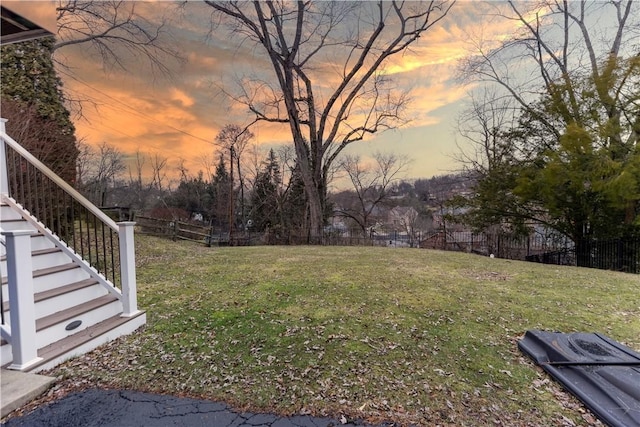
381,334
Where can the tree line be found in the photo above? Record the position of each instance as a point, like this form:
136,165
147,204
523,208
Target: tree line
551,132
246,192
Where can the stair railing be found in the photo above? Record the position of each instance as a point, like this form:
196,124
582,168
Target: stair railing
22,331
2,298
107,246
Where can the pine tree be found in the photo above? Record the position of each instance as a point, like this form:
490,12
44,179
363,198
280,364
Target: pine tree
193,195
220,189
265,199
295,212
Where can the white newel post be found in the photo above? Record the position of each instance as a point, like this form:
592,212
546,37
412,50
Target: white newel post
21,304
4,177
128,268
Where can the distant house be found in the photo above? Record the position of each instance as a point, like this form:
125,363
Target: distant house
403,216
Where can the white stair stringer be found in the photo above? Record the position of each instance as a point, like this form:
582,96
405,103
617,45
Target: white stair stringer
68,291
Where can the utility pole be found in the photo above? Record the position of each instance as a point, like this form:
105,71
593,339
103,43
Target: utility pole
231,195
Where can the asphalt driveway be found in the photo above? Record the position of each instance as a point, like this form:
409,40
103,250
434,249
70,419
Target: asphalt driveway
113,408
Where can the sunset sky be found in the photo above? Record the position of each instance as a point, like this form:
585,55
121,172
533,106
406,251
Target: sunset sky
178,116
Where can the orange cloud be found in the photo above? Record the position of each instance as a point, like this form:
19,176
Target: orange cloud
180,96
179,117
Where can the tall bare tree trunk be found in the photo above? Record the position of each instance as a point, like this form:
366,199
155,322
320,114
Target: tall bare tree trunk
298,37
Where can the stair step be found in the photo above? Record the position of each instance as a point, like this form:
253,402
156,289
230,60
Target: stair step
42,257
8,213
65,294
68,344
56,269
50,270
52,293
12,220
13,224
63,274
103,332
48,257
41,253
47,251
70,313
51,329
65,289
39,241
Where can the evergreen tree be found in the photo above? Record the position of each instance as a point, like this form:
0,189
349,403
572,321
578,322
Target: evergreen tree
266,198
193,195
220,193
576,171
294,211
559,148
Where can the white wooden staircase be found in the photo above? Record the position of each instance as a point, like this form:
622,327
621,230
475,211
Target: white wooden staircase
74,307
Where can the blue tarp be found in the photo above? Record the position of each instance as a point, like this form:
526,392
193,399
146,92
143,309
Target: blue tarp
602,373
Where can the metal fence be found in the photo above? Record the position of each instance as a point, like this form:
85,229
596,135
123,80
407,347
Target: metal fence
620,254
615,254
500,245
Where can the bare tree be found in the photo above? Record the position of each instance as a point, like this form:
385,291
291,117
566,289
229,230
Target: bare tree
139,168
234,140
83,164
482,125
328,83
158,172
371,183
558,46
99,169
116,32
138,191
493,159
407,219
287,159
208,163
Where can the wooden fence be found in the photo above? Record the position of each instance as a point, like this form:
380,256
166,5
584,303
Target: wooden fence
172,229
181,230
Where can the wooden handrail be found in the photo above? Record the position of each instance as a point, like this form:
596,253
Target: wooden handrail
58,181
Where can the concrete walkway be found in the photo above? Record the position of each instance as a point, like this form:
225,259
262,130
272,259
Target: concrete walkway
113,408
19,388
